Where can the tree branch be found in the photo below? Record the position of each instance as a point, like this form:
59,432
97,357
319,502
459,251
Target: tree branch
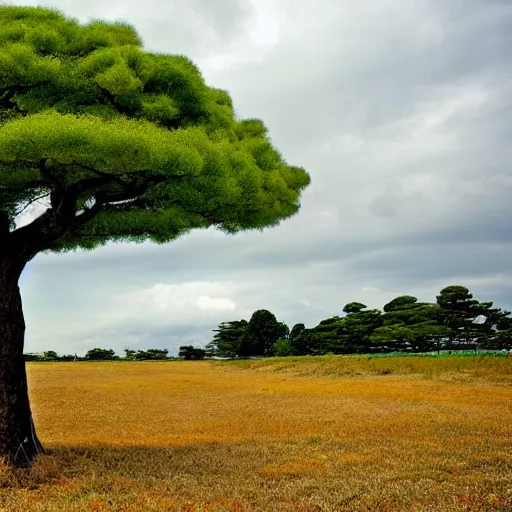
209,215
141,173
112,100
132,191
56,187
88,214
61,218
32,201
11,90
16,164
92,211
116,177
7,93
56,220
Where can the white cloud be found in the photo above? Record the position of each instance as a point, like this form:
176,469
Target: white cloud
171,303
208,304
370,289
261,35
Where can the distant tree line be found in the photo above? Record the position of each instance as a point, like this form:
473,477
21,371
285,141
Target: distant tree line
456,321
102,354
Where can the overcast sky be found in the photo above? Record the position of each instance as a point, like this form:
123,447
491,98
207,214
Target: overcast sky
400,110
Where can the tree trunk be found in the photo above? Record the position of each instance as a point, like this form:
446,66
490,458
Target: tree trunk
19,444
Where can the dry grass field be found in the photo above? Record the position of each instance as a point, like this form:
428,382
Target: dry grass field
310,434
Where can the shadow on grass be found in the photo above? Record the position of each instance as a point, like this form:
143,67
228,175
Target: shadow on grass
267,475
197,462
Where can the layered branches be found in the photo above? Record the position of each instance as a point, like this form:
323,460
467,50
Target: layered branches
102,189
125,144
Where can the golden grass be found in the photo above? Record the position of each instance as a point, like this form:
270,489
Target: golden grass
489,368
315,434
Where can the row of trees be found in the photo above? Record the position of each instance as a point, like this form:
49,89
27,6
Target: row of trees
103,354
455,321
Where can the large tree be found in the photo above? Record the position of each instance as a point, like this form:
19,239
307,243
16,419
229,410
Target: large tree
459,311
468,320
120,145
358,325
348,334
302,341
263,330
326,336
226,343
411,325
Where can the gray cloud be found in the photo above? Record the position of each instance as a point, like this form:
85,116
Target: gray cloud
174,26
401,113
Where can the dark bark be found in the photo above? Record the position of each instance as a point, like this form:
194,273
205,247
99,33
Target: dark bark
4,225
19,445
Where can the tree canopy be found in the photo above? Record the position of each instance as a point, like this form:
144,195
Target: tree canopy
456,322
117,144
124,144
99,354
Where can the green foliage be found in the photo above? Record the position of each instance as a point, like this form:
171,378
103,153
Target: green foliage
296,330
409,325
32,357
325,337
302,340
456,322
304,343
405,326
50,355
134,144
240,338
190,353
395,336
349,334
471,322
399,303
282,348
129,354
459,311
262,332
68,357
152,354
429,335
227,341
502,340
357,329
100,354
353,307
